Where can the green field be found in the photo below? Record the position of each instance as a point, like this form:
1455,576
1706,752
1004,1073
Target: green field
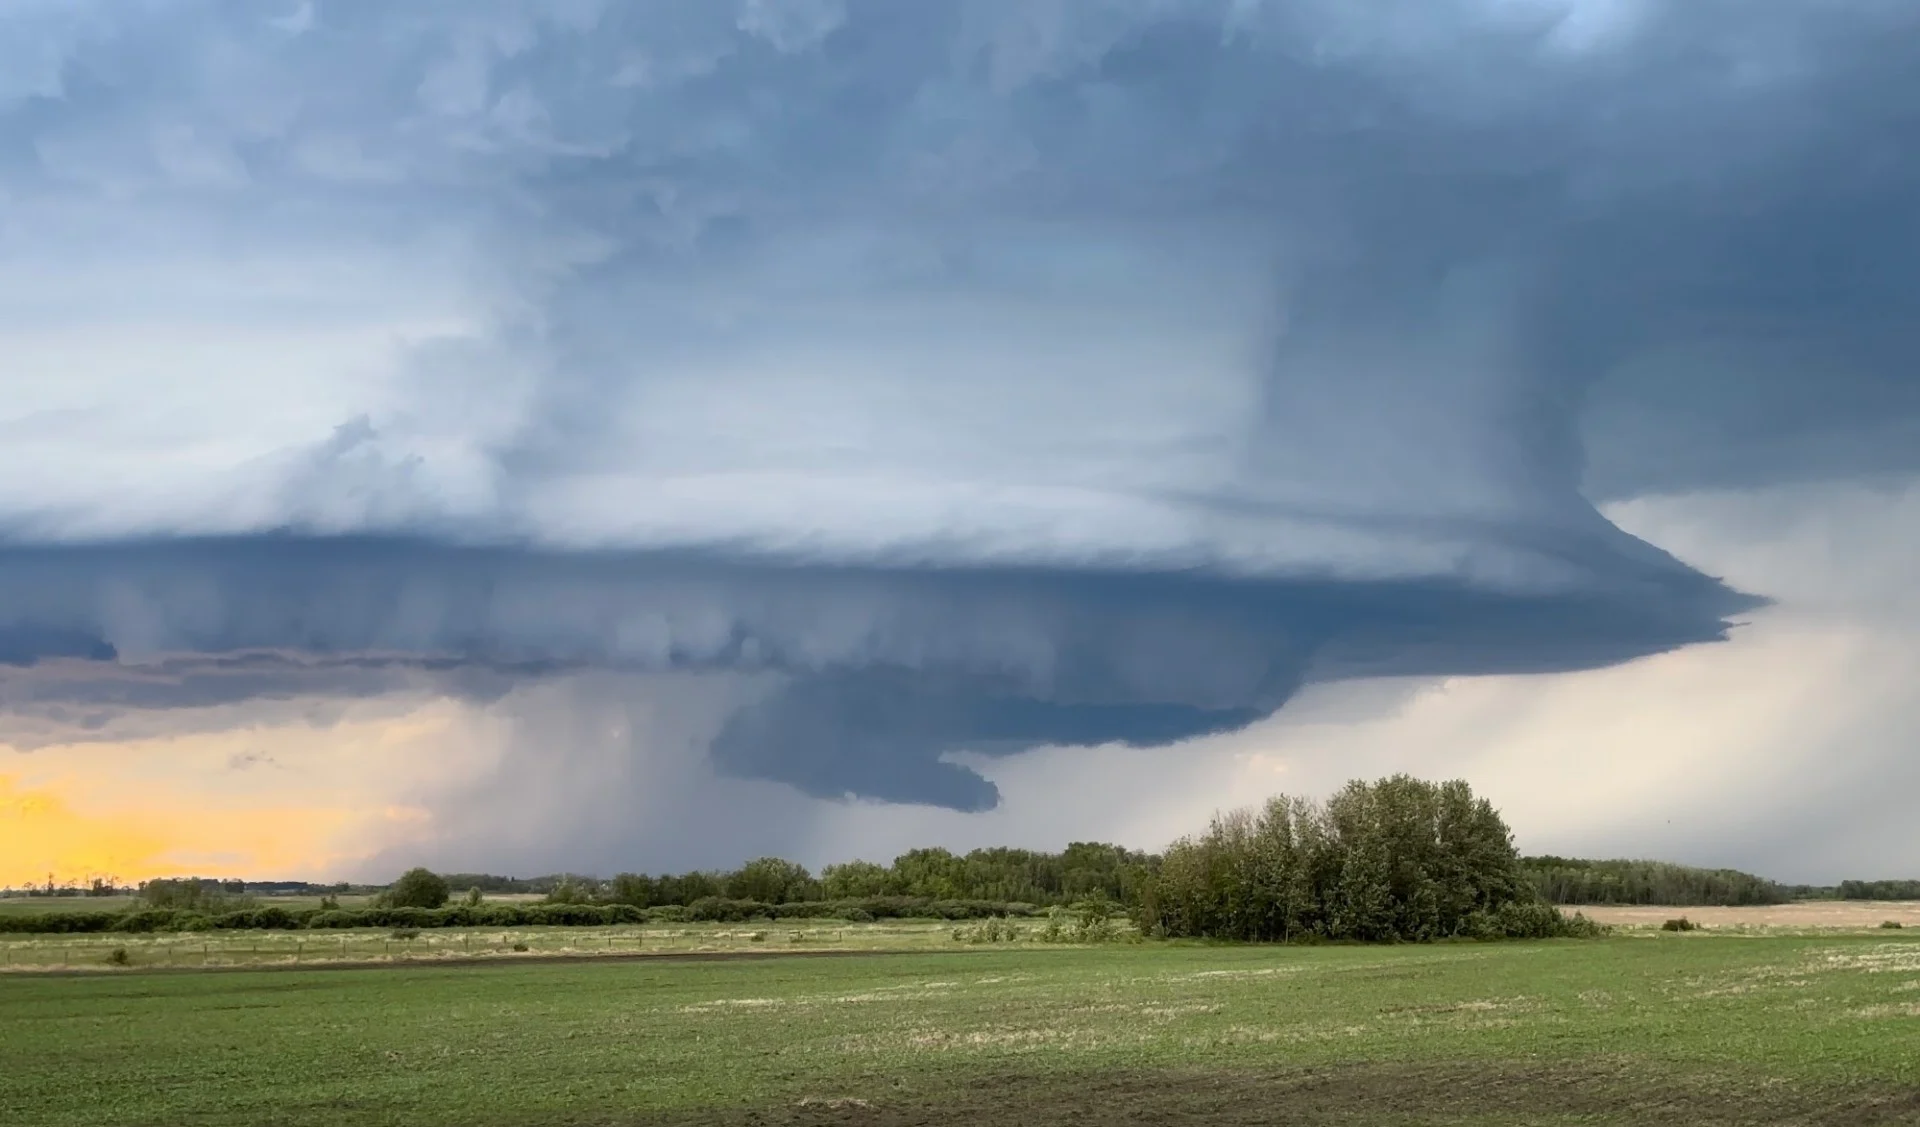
1645,1029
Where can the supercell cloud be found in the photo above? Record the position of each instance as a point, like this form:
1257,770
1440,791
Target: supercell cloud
951,376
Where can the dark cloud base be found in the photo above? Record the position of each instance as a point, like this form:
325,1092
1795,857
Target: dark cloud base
882,671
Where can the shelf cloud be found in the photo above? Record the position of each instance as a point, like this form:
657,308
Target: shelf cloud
962,376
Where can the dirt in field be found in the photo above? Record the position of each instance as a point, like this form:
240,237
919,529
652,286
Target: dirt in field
1811,914
1348,1095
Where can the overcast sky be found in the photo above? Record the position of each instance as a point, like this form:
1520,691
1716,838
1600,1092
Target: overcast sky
537,434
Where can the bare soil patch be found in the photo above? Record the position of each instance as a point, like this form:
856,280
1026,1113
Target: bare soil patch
1455,1093
1849,915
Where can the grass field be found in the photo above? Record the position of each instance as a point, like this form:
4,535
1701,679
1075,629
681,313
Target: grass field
1640,1029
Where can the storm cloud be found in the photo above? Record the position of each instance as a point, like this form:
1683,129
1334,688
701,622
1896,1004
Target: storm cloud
958,376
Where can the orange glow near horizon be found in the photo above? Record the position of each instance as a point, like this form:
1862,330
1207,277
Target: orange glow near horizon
287,802
44,835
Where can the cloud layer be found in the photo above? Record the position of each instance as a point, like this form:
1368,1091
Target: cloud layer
960,376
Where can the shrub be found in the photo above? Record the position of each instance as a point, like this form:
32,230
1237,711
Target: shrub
277,917
59,923
161,919
118,957
1537,919
857,916
404,933
1681,924
1891,924
1088,922
715,909
570,890
995,929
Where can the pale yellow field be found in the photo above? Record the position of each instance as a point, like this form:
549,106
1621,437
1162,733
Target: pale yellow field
1810,915
372,945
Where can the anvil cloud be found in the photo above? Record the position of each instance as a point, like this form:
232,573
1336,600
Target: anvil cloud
959,375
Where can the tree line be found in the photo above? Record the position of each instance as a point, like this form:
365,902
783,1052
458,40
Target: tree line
275,917
1083,871
1567,880
1880,890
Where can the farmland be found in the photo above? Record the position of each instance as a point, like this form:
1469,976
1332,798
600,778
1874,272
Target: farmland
1641,1028
1804,915
234,949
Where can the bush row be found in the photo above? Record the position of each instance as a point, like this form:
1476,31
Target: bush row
709,910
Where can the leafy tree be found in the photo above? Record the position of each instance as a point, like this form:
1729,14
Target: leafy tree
934,873
1397,859
687,888
418,888
571,890
769,880
854,880
632,888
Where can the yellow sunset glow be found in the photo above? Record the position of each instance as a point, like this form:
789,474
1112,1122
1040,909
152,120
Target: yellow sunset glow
43,834
291,801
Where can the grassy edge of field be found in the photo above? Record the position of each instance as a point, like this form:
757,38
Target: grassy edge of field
112,952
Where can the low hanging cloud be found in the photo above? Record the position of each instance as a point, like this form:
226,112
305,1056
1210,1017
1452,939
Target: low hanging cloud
955,377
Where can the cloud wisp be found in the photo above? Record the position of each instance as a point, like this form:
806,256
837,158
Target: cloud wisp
962,376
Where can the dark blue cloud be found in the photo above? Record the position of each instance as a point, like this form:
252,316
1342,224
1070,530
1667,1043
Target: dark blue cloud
983,373
876,673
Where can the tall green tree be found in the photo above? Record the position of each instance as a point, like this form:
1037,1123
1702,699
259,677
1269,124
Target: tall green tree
418,888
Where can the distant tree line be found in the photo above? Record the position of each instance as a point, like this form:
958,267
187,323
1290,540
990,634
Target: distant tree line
1566,880
1083,871
1880,890
1571,881
1394,860
95,887
495,914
